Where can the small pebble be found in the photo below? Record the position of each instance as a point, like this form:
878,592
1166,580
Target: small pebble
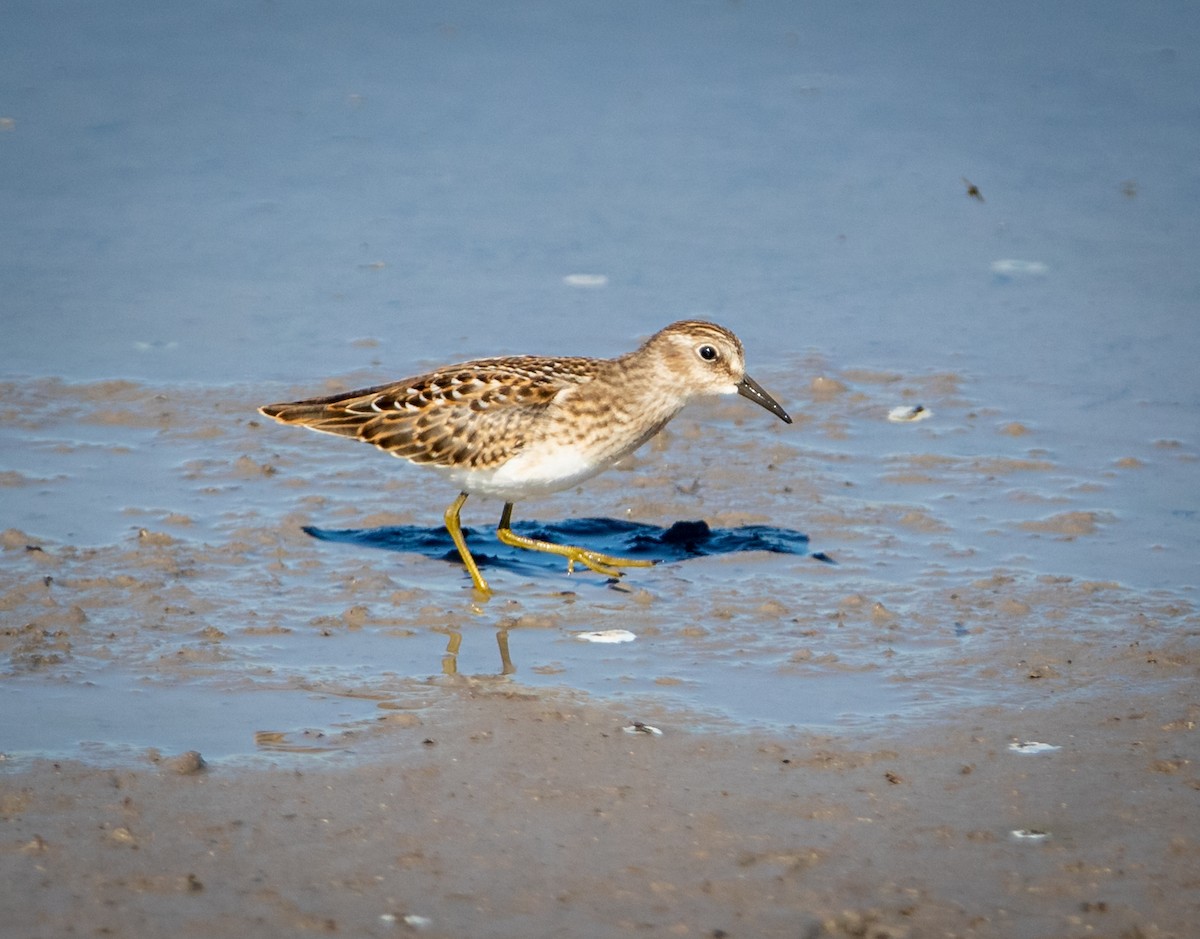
186,764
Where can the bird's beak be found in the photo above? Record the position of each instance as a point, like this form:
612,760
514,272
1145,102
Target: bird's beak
749,388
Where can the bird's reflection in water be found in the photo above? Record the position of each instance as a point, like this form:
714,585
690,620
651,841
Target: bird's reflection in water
454,643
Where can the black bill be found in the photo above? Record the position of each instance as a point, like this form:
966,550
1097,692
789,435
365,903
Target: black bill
749,388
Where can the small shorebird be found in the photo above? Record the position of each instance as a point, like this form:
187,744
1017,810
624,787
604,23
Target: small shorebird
524,426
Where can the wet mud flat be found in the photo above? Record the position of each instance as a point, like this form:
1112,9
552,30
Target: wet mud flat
929,736
508,813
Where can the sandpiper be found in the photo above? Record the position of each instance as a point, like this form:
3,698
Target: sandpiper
524,426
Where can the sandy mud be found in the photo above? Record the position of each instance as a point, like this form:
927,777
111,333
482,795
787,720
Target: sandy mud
216,724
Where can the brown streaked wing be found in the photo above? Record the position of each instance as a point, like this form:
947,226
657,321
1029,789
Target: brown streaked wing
478,414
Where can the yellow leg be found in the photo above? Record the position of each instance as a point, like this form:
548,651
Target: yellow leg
456,535
600,563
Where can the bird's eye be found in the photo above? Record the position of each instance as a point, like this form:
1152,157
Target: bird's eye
708,353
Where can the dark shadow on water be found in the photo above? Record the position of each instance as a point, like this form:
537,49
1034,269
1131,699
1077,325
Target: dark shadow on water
681,541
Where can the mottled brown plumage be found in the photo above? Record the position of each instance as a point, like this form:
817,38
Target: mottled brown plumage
525,426
476,414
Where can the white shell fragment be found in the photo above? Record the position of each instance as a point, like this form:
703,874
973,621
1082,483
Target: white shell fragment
637,727
1015,267
411,920
586,280
607,635
1030,834
1032,746
906,414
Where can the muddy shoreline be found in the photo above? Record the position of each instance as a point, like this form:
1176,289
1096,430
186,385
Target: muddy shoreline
509,813
847,749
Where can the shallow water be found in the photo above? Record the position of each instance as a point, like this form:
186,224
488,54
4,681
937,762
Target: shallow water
211,604
210,209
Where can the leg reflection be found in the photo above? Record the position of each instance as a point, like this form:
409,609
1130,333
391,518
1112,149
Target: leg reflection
450,659
506,665
454,643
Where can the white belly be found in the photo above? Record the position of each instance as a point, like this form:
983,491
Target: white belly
531,474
